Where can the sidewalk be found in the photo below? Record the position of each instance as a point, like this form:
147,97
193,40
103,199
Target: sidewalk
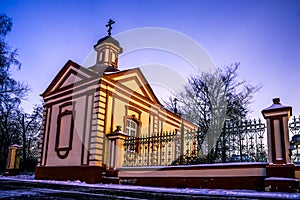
36,189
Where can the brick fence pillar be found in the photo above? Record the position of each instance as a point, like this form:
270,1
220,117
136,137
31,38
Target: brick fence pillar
13,160
280,171
277,116
116,147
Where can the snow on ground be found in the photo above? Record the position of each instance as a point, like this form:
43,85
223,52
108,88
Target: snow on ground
218,192
28,176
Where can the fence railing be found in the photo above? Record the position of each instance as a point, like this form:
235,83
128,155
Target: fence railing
241,141
157,150
294,128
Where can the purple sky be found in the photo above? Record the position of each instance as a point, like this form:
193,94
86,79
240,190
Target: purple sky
264,36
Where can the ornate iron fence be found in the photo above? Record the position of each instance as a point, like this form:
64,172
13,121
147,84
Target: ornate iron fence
240,141
157,150
294,127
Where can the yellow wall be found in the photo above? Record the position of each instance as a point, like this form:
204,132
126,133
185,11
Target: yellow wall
122,103
99,109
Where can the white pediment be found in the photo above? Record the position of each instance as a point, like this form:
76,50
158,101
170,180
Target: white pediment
135,81
69,75
70,79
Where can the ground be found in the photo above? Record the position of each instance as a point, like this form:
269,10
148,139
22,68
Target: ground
25,187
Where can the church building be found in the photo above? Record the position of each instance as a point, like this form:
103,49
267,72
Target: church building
84,108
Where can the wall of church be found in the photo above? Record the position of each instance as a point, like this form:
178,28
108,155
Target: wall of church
64,133
151,117
77,118
98,140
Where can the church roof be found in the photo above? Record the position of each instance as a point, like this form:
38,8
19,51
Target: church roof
69,69
134,75
108,39
100,68
72,74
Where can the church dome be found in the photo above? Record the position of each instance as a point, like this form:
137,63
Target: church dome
107,39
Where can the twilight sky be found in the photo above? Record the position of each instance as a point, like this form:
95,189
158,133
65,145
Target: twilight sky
263,35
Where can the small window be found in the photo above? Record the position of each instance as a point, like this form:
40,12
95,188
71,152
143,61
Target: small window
131,127
101,56
113,57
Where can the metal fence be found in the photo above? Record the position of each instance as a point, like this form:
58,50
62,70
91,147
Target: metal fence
294,128
157,150
241,141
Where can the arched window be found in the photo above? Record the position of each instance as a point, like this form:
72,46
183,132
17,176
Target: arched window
131,127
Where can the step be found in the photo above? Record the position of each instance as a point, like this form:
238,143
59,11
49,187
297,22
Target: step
111,180
111,173
281,184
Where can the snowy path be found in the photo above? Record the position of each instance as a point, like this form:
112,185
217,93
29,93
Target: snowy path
27,188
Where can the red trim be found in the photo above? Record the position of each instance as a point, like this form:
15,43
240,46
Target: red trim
63,152
71,71
89,174
68,90
245,182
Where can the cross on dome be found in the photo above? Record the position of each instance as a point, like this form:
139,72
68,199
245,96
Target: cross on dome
109,23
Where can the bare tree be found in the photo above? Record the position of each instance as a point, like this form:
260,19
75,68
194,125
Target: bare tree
210,99
11,92
29,127
9,132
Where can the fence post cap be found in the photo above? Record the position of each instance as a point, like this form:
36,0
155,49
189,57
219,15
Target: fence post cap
117,134
15,146
276,109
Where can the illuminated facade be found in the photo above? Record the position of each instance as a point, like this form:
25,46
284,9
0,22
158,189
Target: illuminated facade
84,105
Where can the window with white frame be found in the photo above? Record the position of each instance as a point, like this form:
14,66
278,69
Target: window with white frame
131,127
